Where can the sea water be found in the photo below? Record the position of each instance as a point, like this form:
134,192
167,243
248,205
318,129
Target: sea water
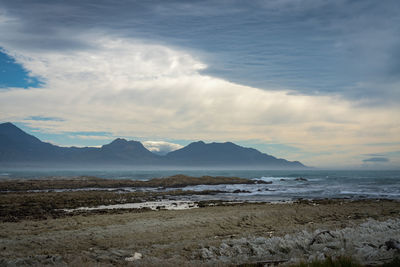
282,185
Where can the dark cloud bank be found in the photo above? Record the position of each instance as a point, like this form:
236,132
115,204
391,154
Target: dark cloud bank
340,47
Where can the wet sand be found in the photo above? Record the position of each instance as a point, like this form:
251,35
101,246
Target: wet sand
170,237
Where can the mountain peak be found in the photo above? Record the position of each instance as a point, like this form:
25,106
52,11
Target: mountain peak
226,154
198,143
119,141
15,134
123,143
128,150
213,143
9,126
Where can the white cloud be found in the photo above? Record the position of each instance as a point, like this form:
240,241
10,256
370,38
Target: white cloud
161,147
131,88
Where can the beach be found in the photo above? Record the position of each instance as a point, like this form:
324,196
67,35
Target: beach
208,233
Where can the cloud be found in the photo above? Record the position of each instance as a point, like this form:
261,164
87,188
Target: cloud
127,87
91,137
376,160
161,147
313,47
307,77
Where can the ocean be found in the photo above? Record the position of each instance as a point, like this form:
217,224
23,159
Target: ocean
284,186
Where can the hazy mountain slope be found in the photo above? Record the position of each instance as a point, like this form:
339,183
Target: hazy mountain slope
229,154
16,146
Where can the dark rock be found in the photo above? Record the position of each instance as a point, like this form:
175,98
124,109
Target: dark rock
241,191
263,182
392,244
301,179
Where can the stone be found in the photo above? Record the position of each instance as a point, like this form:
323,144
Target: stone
135,257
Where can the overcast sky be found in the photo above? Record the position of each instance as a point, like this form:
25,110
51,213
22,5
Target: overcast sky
310,80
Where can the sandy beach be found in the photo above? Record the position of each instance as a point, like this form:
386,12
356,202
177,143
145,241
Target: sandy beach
213,233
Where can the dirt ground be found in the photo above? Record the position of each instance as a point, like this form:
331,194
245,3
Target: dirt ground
171,237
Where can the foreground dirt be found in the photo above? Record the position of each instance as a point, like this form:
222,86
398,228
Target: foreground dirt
172,237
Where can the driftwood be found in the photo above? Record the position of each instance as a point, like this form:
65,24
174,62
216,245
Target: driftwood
320,233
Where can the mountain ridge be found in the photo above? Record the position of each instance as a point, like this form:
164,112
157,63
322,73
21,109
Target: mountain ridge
17,146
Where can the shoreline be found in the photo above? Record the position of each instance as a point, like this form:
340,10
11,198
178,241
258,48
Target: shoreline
60,197
90,182
40,228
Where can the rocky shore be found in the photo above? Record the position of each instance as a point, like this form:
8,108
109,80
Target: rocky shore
39,199
36,229
49,183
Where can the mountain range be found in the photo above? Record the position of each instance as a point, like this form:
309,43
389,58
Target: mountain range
19,148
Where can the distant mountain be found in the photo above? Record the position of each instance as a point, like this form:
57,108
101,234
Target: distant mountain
123,151
226,154
18,147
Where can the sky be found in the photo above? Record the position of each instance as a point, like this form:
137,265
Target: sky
311,80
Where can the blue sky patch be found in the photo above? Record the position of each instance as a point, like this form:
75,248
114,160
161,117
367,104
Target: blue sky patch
13,74
42,118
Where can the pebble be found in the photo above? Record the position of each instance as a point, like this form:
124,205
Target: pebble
136,256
